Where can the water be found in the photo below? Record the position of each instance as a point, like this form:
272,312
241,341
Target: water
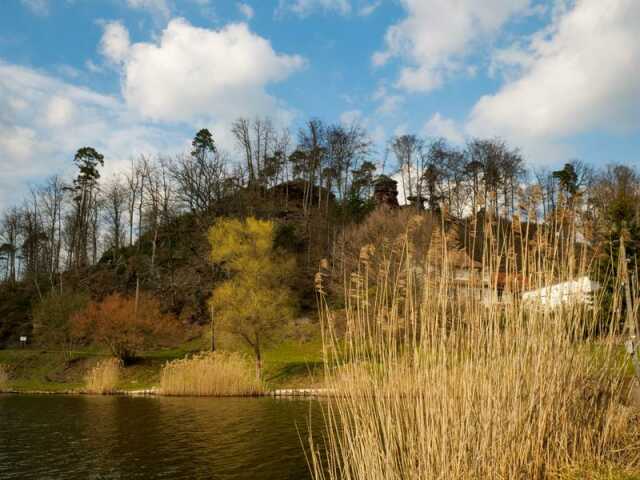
86,437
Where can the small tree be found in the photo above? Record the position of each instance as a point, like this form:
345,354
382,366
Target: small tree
255,302
52,319
126,330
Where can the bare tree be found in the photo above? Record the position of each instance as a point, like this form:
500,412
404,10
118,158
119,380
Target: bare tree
115,196
84,194
132,178
200,180
10,237
347,148
51,197
258,140
410,158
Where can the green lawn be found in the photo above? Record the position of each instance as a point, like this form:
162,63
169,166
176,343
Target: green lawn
288,364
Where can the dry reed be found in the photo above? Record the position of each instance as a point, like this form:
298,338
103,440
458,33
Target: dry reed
103,377
438,380
4,377
210,374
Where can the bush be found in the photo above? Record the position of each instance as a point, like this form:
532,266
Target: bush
210,374
51,318
103,378
125,329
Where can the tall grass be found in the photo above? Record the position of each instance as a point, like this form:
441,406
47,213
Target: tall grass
103,378
436,381
4,377
210,374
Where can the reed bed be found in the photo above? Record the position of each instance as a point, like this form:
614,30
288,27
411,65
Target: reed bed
103,378
438,381
4,377
211,374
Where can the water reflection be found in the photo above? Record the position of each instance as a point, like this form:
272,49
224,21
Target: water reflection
117,437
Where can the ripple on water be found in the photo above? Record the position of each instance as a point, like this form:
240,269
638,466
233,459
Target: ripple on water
179,438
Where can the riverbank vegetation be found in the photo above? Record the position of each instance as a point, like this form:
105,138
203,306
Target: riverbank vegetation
255,303
211,374
444,382
103,378
126,326
295,362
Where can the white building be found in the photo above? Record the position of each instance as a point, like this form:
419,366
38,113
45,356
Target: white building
578,291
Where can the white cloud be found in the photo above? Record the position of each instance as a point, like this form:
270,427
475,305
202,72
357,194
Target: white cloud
390,104
59,111
44,120
578,75
92,67
304,8
115,43
350,117
439,126
17,143
436,36
156,7
246,10
37,7
194,74
509,62
367,8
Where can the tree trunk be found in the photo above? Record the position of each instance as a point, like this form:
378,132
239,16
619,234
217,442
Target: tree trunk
258,354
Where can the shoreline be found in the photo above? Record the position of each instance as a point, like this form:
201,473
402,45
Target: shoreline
155,392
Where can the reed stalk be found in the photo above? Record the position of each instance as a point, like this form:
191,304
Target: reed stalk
103,378
210,374
438,379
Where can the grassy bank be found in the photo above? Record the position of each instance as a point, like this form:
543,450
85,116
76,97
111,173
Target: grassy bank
290,364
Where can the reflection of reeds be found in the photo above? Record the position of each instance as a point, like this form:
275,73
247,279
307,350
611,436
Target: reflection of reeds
435,381
4,377
103,378
210,374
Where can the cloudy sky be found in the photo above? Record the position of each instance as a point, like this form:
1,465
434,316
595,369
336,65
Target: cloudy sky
558,78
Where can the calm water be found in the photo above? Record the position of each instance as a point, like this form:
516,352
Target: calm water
121,438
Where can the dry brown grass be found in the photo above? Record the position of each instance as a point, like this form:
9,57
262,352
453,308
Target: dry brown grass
434,383
4,378
210,374
103,378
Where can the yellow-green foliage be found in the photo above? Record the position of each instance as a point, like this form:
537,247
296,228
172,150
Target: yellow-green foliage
4,377
210,374
103,378
255,303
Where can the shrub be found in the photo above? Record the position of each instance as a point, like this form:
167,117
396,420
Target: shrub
210,374
123,327
103,378
52,315
4,377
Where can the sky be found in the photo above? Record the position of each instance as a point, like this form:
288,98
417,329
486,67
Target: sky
559,79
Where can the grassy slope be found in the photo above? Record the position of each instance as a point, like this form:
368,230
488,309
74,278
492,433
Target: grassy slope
289,364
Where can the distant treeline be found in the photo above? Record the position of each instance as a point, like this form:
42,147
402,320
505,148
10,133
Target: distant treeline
70,224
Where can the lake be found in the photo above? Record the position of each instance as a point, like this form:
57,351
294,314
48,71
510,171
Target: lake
93,437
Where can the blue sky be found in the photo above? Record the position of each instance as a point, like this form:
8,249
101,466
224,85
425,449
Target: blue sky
558,78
